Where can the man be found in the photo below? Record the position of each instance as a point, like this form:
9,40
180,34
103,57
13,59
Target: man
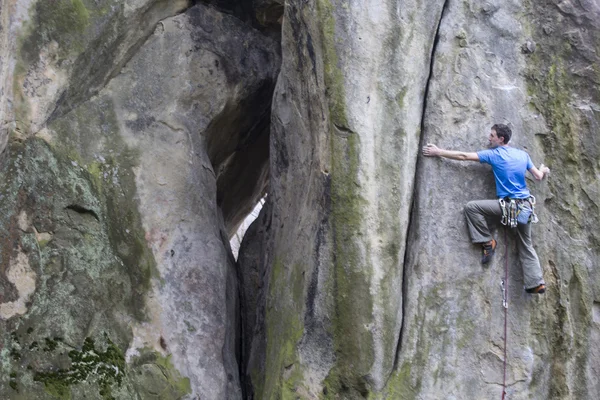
509,166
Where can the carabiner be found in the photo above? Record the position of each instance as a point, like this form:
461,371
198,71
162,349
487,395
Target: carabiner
504,219
504,300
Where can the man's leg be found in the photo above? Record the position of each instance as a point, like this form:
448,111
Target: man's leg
476,211
532,271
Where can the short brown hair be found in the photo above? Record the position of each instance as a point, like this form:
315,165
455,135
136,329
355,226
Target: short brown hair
502,131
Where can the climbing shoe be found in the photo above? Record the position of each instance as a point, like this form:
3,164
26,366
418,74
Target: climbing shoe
489,249
537,290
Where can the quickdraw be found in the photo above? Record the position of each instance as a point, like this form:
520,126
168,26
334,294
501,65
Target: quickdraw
511,208
504,299
509,212
504,219
534,218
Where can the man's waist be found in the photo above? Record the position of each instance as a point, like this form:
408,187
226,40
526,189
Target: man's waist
514,198
529,201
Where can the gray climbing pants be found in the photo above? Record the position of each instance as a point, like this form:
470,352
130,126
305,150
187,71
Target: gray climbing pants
476,213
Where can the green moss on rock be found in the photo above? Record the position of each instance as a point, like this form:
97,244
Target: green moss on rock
399,385
353,341
156,377
81,272
61,21
284,330
105,368
112,176
334,78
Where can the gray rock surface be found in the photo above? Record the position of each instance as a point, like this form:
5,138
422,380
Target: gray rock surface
136,135
340,292
58,54
123,240
347,120
269,13
453,337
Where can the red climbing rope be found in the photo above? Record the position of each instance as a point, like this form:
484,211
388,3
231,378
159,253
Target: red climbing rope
505,304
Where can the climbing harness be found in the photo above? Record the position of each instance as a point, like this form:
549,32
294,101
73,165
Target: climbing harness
518,211
504,285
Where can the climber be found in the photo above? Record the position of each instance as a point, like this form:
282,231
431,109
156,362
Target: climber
509,166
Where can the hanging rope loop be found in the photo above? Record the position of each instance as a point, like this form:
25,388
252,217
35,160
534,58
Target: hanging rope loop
505,305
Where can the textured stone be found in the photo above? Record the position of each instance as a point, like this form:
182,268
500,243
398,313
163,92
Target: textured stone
346,123
251,273
452,344
342,165
269,13
133,146
115,205
57,54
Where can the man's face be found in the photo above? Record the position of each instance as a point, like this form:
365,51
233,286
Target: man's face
494,140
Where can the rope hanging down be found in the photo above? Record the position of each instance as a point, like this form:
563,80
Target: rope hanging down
505,304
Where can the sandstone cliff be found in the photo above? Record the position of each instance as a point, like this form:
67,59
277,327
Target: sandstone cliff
129,137
137,135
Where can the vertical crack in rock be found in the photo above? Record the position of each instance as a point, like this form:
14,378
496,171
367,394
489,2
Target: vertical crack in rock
412,220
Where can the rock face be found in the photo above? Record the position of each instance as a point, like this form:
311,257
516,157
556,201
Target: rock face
347,120
58,54
115,236
372,292
137,135
481,75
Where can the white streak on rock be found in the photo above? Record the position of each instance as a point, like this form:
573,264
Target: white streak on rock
23,277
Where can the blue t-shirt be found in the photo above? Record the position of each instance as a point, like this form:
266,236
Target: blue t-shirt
509,165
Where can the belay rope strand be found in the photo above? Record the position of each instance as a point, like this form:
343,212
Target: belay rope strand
510,218
504,284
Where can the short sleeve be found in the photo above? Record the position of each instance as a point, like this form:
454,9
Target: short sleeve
529,163
485,156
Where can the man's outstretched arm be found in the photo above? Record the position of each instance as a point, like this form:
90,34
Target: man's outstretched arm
539,173
431,150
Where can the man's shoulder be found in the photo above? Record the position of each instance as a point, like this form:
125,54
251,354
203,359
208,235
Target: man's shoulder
516,152
486,151
485,155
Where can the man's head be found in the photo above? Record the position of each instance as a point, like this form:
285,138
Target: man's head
500,135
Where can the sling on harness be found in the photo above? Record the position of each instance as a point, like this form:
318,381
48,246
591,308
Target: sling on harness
518,211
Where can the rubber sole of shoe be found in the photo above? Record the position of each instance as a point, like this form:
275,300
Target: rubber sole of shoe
491,250
537,290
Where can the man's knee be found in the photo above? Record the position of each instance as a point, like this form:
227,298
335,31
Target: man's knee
470,207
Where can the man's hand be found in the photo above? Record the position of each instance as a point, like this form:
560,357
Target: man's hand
539,174
431,150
